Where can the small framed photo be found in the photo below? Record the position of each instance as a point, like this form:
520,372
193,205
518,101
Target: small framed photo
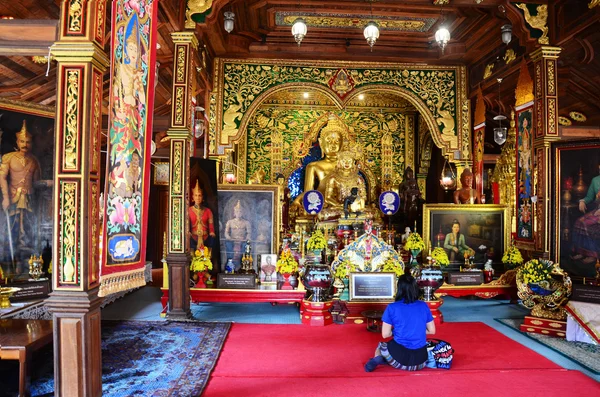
161,173
375,286
268,264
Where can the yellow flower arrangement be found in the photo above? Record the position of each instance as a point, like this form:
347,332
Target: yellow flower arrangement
316,241
512,257
440,256
536,270
392,265
414,242
344,269
201,261
286,262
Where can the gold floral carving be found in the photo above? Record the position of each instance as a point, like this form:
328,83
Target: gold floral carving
537,21
212,123
509,56
524,90
276,153
466,129
441,2
100,20
479,109
179,97
551,77
539,187
409,144
578,116
564,121
68,231
489,69
176,225
71,124
180,74
94,229
332,21
552,116
75,16
176,176
195,7
387,160
96,121
422,183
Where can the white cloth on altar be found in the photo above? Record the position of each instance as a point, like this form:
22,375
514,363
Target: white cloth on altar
583,322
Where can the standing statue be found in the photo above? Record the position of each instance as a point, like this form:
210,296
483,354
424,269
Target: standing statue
466,194
410,196
19,171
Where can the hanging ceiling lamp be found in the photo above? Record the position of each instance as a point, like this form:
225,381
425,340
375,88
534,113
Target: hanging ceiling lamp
442,36
500,132
448,177
229,18
299,30
371,33
506,29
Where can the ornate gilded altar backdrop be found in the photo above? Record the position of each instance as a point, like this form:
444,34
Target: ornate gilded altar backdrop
437,92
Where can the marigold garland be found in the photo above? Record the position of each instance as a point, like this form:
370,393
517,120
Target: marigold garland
286,262
316,241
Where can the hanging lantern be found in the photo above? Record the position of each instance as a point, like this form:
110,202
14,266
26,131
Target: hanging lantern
442,37
229,18
371,33
448,177
299,30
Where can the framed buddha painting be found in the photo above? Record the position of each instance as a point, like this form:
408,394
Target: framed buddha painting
26,178
477,231
248,214
576,198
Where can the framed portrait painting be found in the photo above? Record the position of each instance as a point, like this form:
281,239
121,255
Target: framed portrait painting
483,228
248,214
268,264
576,198
27,157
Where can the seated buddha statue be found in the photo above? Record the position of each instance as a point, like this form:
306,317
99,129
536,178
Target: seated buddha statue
345,182
466,194
330,142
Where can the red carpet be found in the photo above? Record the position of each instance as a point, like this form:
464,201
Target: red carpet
297,360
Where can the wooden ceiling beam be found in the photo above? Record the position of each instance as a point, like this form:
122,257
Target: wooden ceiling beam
27,36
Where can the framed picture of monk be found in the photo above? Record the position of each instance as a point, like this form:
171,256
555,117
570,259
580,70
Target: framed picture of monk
576,198
483,230
248,214
26,174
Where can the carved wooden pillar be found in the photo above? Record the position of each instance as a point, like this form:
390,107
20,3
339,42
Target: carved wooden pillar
409,141
75,304
180,134
479,140
546,132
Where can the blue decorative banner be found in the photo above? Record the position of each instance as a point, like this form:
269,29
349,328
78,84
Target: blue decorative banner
313,202
389,202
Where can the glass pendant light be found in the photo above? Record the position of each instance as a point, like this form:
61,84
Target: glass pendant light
371,33
229,18
500,133
448,177
299,30
442,36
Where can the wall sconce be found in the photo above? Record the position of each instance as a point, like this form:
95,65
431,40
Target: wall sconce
299,30
229,18
448,177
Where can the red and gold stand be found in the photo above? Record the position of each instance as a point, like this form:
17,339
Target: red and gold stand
316,313
434,306
544,326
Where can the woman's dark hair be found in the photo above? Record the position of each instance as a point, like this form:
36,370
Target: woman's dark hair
408,291
456,222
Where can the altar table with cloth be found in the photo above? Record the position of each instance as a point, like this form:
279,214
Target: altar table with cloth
583,316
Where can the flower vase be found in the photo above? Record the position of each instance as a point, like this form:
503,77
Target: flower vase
413,256
201,283
286,281
345,295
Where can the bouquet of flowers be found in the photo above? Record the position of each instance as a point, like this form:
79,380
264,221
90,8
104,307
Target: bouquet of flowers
316,241
344,269
440,256
536,270
414,242
201,261
392,265
512,257
286,262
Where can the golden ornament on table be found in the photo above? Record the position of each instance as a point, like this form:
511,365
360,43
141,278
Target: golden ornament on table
5,294
36,264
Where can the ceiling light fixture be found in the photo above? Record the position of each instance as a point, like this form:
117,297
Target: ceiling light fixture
299,30
448,177
371,31
506,29
442,36
500,132
229,20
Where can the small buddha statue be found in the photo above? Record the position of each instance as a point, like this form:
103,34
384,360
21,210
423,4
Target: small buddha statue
466,194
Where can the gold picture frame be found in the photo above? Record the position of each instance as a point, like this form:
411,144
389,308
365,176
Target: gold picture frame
482,225
372,286
161,173
260,206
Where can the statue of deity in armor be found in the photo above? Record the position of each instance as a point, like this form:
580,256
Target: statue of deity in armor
237,232
201,221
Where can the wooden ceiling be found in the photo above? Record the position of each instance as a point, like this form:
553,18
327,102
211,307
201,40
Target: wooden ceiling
407,34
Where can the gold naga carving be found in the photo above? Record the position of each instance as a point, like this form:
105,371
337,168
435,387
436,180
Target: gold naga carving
195,7
538,21
488,71
509,56
593,3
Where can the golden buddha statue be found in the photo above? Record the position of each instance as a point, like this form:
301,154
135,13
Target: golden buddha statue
330,142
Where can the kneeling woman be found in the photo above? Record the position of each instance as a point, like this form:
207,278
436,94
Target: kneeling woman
408,320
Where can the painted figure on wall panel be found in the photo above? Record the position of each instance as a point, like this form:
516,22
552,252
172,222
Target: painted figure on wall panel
26,171
524,176
579,209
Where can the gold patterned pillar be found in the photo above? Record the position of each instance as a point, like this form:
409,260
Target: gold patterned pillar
479,140
546,132
409,140
180,135
74,302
